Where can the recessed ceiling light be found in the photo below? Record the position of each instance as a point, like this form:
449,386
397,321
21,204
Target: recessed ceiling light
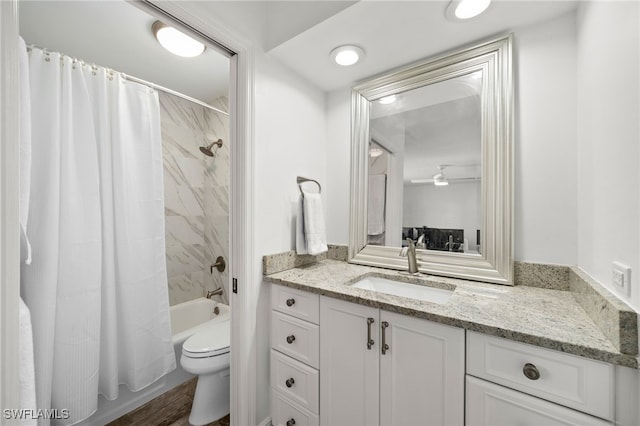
175,41
387,100
466,9
347,55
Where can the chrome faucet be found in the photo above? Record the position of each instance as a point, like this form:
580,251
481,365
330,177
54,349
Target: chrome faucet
216,292
410,253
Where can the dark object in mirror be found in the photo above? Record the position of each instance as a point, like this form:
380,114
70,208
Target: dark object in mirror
444,239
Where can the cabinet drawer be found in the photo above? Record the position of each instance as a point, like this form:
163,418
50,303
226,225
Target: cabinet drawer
296,338
295,380
569,380
297,303
285,412
492,405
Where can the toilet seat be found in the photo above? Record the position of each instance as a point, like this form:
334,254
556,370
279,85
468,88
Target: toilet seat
212,340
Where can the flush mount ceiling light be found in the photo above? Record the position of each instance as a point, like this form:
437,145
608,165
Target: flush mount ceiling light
347,55
374,152
176,42
460,10
387,100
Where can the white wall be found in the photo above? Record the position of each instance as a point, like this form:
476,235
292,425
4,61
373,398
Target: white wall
455,206
608,45
290,140
545,147
339,165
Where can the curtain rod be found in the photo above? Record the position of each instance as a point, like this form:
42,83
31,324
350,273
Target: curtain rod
172,92
141,81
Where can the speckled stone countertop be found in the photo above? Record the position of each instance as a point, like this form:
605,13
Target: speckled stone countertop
547,318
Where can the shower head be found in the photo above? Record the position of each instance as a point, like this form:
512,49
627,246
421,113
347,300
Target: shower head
208,150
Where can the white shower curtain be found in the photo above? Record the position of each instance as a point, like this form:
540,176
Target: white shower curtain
97,285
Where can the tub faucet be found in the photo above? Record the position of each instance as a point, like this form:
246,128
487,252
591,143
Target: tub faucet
410,253
216,292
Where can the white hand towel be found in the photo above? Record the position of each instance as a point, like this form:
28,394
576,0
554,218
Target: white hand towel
314,228
25,150
301,242
27,369
375,204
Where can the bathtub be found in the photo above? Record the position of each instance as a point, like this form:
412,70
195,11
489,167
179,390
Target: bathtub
186,319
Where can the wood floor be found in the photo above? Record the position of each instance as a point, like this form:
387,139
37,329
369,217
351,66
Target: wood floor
169,409
225,421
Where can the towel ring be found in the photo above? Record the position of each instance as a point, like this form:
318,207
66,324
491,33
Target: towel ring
300,180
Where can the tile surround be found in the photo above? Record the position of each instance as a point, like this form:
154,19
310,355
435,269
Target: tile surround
196,196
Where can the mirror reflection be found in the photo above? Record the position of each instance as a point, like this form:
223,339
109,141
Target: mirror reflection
425,170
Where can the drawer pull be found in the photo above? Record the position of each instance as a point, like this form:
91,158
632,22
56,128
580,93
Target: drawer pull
290,339
531,371
289,382
370,341
291,422
385,347
291,301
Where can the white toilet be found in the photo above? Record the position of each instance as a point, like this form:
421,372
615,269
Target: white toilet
206,354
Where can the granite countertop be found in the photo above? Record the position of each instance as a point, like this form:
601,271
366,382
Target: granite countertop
551,319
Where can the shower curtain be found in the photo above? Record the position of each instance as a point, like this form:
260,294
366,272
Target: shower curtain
96,285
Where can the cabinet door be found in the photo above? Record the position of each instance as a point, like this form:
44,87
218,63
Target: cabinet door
349,377
421,373
489,404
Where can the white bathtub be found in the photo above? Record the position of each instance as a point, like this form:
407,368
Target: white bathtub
186,319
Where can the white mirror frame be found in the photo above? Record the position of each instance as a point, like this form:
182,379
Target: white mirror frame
495,263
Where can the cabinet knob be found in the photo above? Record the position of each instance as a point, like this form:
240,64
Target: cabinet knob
291,301
290,339
531,371
289,382
291,422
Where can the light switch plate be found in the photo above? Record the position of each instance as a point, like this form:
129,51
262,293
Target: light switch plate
621,278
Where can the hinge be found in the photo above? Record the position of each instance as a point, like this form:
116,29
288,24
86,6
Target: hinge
234,286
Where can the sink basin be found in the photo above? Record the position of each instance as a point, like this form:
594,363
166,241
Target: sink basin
402,289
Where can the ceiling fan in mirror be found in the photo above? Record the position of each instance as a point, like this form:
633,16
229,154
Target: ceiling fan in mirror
440,179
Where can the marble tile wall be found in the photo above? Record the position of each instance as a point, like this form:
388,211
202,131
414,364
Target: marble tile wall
196,191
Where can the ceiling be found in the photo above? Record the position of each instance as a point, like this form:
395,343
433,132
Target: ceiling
446,131
299,33
117,35
395,33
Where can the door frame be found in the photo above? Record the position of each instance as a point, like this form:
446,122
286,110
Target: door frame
9,204
244,302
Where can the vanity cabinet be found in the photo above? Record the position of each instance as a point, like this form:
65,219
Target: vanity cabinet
335,362
295,378
515,383
380,367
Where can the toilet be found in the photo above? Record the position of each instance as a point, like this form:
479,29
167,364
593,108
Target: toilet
207,355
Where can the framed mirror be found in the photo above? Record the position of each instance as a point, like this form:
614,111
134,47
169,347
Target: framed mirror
432,162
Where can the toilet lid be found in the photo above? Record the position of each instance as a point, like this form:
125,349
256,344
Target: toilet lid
213,339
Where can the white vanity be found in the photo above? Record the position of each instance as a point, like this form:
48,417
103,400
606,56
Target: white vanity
338,362
511,383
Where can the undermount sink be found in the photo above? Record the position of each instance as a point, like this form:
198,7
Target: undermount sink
402,289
